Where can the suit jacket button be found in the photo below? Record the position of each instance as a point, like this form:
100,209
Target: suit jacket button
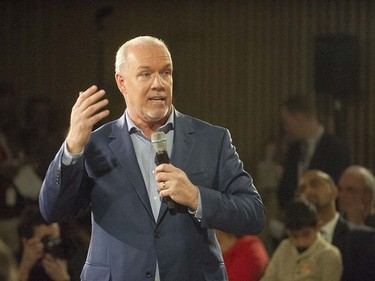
157,235
148,274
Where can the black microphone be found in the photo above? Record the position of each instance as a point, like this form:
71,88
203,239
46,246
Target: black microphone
159,142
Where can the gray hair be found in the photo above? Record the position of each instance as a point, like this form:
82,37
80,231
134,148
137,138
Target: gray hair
367,176
122,52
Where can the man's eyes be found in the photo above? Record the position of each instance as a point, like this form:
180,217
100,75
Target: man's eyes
149,73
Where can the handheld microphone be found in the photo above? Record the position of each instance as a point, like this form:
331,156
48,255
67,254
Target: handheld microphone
159,143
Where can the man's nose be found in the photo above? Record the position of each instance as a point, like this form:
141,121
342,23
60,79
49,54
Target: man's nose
158,82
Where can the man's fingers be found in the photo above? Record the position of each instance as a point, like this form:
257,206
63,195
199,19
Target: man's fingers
84,94
99,116
85,101
86,112
93,108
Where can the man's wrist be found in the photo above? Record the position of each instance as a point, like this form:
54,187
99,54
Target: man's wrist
197,211
69,158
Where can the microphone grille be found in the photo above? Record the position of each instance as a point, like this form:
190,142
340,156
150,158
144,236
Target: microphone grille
159,141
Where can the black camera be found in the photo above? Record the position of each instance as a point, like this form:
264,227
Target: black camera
62,249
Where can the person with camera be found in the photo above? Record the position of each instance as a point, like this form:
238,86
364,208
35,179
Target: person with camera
43,254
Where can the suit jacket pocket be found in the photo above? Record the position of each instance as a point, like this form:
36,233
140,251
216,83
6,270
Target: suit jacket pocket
95,273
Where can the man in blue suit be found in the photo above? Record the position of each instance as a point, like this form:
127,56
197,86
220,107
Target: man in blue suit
112,171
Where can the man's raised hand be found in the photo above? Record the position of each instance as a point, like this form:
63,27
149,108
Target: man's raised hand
86,112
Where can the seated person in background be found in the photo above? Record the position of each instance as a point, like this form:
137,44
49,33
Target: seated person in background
8,268
356,243
43,254
245,257
305,255
357,195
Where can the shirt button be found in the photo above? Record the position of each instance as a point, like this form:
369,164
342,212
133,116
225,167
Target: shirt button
148,274
157,235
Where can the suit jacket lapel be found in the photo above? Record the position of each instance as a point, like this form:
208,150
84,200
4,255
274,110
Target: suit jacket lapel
122,146
184,141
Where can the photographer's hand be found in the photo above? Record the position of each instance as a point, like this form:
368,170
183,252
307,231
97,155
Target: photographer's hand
33,250
56,269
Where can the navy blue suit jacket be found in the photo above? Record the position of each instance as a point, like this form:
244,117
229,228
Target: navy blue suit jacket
357,247
126,241
331,156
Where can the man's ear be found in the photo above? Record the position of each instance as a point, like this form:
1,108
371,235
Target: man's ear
120,81
335,191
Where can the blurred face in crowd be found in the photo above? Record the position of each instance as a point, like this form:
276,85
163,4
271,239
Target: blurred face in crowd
353,195
293,124
34,243
42,230
303,238
316,187
146,83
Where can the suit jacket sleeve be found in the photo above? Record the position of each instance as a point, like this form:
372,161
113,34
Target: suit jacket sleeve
61,197
234,205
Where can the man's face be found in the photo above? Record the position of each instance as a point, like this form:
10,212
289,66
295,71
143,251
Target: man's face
147,84
292,124
42,230
352,191
315,187
303,238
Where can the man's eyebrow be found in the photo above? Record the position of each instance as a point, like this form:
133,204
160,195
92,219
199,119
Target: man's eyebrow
146,67
143,67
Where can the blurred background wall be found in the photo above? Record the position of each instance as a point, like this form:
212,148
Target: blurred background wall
234,61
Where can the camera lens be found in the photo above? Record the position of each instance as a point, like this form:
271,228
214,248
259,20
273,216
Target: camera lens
58,248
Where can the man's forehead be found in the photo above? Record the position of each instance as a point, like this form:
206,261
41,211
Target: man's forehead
312,176
149,52
147,60
150,61
318,179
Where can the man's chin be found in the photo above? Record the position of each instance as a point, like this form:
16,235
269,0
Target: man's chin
157,116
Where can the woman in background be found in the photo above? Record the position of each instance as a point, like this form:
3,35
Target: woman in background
245,257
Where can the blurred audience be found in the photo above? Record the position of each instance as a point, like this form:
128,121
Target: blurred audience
8,268
11,201
357,195
41,137
43,253
25,153
305,255
245,257
268,175
79,232
311,146
356,243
